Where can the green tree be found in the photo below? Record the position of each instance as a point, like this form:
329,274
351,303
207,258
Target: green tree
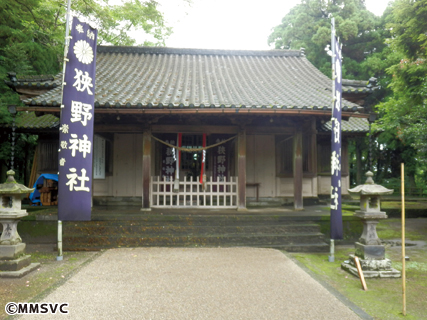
405,113
32,42
366,53
308,25
115,22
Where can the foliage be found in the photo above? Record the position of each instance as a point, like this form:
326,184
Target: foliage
398,64
114,22
32,42
24,48
405,113
308,25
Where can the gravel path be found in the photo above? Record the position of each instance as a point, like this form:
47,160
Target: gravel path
195,283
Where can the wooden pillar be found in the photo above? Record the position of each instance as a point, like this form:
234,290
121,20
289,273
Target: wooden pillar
298,203
359,169
241,163
146,170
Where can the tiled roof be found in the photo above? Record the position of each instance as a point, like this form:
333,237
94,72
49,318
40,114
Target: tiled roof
352,125
32,82
359,86
150,77
29,120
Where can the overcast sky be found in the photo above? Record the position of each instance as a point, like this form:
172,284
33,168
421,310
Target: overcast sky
230,24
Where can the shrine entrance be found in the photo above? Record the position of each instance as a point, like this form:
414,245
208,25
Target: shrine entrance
194,170
191,162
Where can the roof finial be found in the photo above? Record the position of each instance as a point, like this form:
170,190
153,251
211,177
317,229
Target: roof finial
369,180
10,177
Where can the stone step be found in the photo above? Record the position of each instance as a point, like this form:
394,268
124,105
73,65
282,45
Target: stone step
117,201
108,230
132,228
201,219
301,247
214,240
307,247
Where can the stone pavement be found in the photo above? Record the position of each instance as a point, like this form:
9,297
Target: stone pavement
194,283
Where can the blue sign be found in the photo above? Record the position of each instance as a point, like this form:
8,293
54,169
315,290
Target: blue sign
336,213
76,128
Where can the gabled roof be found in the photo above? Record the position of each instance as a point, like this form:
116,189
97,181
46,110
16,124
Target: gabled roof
359,125
152,77
29,121
359,86
31,81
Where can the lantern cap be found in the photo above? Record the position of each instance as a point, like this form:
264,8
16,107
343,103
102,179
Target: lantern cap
13,187
370,188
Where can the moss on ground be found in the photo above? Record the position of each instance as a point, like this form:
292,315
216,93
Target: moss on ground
408,204
36,229
392,229
34,211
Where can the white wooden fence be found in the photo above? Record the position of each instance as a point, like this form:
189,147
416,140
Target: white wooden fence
218,194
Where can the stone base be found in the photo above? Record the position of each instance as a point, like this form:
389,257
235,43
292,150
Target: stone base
19,273
371,268
15,264
376,252
11,251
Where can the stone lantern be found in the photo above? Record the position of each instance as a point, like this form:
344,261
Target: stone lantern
369,249
13,260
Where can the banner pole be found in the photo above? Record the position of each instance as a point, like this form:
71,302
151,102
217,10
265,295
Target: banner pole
67,33
331,257
59,257
403,241
332,251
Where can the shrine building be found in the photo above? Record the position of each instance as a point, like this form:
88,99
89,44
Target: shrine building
250,126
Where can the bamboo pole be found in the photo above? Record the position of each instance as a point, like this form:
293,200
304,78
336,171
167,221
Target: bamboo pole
403,240
360,272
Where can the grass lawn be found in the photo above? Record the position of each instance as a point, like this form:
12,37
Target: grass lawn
383,300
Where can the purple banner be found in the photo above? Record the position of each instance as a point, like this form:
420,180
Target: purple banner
336,214
76,128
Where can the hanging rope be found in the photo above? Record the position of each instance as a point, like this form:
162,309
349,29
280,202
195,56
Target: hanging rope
192,149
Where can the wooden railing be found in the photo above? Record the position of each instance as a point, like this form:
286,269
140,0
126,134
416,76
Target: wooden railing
412,191
191,194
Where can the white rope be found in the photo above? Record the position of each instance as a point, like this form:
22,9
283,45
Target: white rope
192,149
